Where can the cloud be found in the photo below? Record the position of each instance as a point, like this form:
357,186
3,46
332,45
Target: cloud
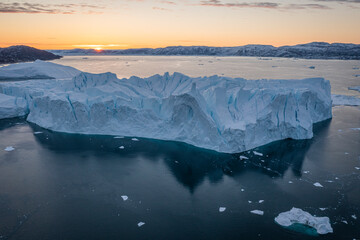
26,7
217,3
267,5
307,6
340,1
161,9
168,2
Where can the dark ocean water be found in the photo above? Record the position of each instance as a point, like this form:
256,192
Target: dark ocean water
67,186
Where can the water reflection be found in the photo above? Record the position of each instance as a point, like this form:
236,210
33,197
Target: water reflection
189,165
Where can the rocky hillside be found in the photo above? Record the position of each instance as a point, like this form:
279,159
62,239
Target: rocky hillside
22,53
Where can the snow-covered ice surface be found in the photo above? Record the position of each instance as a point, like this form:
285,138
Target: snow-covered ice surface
296,215
11,106
345,100
229,114
37,70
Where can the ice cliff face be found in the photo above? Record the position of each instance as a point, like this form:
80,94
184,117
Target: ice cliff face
12,106
223,114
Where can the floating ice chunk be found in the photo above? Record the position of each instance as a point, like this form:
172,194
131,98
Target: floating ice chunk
318,184
121,147
354,216
290,181
124,197
243,158
140,224
249,201
257,212
344,221
261,201
135,139
358,129
258,153
322,209
355,88
38,133
9,149
345,100
222,209
298,216
242,190
306,171
118,137
357,168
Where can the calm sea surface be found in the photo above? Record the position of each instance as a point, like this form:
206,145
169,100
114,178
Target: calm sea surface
68,186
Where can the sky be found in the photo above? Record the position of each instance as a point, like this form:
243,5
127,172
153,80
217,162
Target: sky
120,24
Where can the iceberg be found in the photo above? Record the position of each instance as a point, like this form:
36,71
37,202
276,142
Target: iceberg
224,114
345,100
298,216
37,70
355,88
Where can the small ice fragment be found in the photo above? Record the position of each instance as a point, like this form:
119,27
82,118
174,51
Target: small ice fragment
121,147
330,181
306,171
249,201
318,184
258,212
344,221
322,208
124,197
118,137
140,224
258,153
38,132
354,216
262,160
357,168
176,162
9,148
243,158
261,201
290,182
242,189
336,178
135,139
358,129
222,209
346,153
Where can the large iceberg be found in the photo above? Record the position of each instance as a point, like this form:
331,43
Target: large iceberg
37,70
223,114
298,216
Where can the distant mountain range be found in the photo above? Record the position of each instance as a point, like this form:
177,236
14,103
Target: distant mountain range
314,50
22,53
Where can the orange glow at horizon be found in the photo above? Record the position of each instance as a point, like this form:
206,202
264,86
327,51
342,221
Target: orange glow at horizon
141,24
